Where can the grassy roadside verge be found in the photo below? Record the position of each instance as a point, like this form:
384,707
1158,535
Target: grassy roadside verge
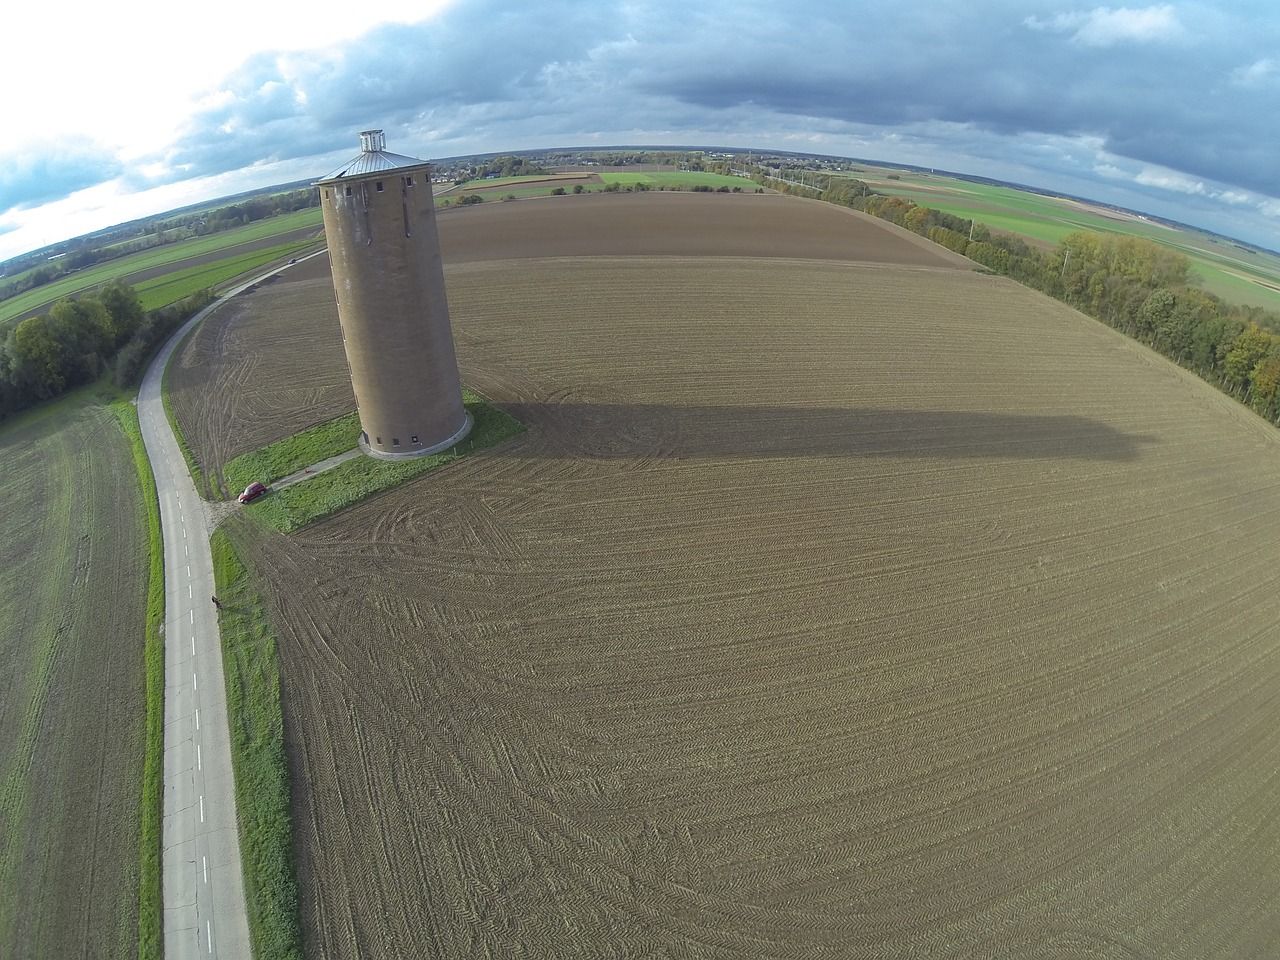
151,813
258,757
287,510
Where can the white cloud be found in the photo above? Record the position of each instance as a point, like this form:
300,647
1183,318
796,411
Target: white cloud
1170,180
136,100
1234,197
1110,171
1257,74
1105,27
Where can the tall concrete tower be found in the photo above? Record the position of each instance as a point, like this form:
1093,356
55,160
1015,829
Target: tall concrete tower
380,222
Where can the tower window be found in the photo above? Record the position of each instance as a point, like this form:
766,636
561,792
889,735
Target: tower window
326,194
348,191
395,441
379,439
414,438
379,186
408,181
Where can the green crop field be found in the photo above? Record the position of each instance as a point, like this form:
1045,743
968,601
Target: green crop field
475,186
73,591
510,191
166,289
544,185
1234,273
680,179
84,280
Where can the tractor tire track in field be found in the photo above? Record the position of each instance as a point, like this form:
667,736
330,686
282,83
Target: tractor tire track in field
825,609
71,709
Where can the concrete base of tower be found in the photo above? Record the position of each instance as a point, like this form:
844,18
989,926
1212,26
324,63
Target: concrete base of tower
445,444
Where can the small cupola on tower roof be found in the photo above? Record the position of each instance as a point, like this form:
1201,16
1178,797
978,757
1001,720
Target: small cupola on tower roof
373,158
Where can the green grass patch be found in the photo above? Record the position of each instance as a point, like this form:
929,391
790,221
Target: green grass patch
151,802
475,186
360,478
291,454
258,758
498,194
83,280
1235,289
679,179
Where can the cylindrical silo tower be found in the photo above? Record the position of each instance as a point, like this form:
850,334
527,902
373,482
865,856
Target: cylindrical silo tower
380,222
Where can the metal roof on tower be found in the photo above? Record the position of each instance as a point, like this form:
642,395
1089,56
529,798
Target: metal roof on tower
373,158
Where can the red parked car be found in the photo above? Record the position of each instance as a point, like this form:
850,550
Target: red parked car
252,492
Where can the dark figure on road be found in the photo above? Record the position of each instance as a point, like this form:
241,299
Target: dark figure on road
217,603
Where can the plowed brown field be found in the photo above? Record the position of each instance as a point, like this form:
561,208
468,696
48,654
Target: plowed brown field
273,364
825,610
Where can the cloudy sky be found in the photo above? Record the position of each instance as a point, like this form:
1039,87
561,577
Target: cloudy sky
115,111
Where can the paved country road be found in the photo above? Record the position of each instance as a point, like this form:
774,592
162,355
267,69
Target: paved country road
204,906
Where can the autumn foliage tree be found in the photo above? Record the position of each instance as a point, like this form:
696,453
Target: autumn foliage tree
79,340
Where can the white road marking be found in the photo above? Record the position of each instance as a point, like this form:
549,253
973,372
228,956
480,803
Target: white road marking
188,567
197,718
199,762
208,935
184,533
193,646
194,685
202,808
189,594
205,861
193,616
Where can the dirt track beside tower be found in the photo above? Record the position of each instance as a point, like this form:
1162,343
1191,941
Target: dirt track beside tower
826,609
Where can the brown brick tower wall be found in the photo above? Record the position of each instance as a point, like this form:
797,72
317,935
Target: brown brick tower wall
389,282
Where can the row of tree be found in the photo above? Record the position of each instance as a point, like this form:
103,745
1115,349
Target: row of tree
1139,287
246,211
79,340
